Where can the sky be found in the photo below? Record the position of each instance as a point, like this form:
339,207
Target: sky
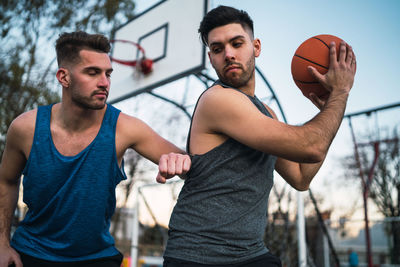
371,27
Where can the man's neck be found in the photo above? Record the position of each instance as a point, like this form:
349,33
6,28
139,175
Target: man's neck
76,119
248,88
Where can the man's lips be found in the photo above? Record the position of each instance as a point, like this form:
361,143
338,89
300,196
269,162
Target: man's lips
102,93
231,68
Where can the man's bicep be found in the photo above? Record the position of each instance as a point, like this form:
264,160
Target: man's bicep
145,141
234,115
13,160
151,145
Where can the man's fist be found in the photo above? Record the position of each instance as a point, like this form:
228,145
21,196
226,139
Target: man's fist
172,164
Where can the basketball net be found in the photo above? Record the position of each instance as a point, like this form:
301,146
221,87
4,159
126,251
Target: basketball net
143,66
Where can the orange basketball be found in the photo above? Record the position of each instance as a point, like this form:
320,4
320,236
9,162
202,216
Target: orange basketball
313,52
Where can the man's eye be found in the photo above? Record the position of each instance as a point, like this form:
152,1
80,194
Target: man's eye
237,44
216,50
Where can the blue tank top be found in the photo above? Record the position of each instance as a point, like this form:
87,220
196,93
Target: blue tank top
70,199
221,213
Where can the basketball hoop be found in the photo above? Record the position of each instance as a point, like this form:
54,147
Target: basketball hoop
143,65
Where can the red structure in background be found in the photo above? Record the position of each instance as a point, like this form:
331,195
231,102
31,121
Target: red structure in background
366,181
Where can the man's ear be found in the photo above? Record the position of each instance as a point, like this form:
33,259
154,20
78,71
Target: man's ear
63,77
257,47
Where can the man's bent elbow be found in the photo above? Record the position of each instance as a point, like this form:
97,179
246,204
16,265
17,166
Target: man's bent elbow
315,155
302,187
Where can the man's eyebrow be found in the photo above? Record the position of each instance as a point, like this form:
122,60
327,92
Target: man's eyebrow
230,40
97,69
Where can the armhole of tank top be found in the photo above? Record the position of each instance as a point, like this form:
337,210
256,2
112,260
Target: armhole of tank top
41,110
114,112
191,122
266,109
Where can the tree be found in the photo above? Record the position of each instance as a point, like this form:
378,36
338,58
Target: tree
384,188
28,28
18,95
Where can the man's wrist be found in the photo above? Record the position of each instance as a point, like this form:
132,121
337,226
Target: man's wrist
340,91
5,243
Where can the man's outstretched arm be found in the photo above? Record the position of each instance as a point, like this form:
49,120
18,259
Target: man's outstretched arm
136,134
11,166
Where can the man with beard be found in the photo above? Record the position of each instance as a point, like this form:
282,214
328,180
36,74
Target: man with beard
71,156
236,142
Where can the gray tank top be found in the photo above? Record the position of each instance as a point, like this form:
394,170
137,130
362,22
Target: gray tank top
221,213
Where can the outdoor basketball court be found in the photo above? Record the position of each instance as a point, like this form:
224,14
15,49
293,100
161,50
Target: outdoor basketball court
172,44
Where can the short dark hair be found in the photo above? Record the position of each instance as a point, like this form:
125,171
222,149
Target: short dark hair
221,16
68,45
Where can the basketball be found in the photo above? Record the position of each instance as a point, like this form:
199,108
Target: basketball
313,52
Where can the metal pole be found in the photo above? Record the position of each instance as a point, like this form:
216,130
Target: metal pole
135,230
326,251
324,230
272,92
365,196
181,107
367,236
369,111
301,233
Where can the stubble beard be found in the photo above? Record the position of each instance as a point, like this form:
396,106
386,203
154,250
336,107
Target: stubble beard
238,80
84,101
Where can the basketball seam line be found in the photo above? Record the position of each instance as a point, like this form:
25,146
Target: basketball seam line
306,82
322,42
311,61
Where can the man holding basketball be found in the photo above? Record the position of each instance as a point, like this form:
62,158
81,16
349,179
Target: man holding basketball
236,142
71,156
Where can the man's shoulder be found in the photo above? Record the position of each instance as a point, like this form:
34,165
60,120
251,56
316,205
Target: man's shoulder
25,120
233,98
124,118
223,99
219,94
129,125
22,129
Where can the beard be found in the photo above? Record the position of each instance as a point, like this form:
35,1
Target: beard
86,102
236,80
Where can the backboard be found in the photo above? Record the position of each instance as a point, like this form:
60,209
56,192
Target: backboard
168,33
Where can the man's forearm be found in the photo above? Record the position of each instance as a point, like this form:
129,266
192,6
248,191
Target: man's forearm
326,123
8,203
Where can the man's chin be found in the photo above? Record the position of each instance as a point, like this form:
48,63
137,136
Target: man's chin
95,106
98,106
235,83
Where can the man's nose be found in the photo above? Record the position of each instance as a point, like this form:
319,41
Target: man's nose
104,81
229,53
